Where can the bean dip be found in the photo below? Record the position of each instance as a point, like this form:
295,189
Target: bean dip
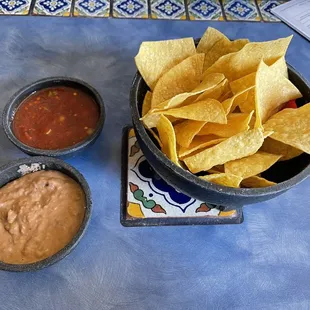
39,215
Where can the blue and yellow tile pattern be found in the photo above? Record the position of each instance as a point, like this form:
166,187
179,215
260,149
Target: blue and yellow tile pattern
265,7
94,8
205,10
130,8
215,10
168,9
241,10
14,7
52,7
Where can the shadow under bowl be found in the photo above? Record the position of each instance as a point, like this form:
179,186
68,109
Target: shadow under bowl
286,173
18,98
12,171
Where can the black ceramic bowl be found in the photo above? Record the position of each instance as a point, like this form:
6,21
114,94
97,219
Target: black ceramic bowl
286,173
12,171
21,95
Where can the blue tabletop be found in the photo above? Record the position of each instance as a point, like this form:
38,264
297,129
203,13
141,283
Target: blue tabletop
261,264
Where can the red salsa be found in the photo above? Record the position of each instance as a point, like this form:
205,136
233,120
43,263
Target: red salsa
55,118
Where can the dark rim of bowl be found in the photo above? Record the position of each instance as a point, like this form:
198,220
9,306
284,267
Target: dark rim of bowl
15,102
78,236
203,184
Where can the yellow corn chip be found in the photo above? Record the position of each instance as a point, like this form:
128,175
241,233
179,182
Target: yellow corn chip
199,143
156,58
186,131
271,92
146,106
208,84
276,147
167,138
209,110
183,77
156,137
217,169
246,61
251,165
236,122
225,179
225,96
247,102
292,127
216,92
231,103
241,145
279,68
215,44
256,181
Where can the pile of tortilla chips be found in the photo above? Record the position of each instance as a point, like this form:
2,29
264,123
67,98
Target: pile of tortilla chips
218,110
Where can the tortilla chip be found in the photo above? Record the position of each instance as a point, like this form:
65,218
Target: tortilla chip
256,181
279,67
209,110
276,147
292,127
217,169
167,138
215,44
156,58
236,123
224,179
271,92
216,92
247,103
241,145
207,86
231,103
198,143
183,77
154,134
246,61
146,106
186,131
225,96
251,165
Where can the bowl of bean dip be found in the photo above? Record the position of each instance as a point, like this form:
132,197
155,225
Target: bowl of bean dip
57,116
45,208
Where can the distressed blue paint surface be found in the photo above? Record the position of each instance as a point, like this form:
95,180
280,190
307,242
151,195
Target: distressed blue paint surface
262,264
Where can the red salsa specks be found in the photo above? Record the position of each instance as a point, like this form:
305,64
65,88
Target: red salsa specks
55,118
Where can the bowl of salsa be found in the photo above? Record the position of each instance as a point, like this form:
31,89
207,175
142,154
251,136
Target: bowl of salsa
56,116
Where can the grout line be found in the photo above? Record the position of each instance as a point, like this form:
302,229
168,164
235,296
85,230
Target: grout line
111,9
186,9
31,8
223,10
259,12
149,9
72,8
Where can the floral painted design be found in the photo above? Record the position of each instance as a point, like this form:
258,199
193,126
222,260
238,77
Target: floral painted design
20,7
240,10
149,196
130,8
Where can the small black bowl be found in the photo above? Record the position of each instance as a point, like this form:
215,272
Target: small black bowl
286,173
12,171
21,95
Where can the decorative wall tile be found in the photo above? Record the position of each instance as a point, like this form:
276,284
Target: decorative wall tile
205,9
168,9
92,8
130,8
265,6
52,7
241,10
15,7
148,197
